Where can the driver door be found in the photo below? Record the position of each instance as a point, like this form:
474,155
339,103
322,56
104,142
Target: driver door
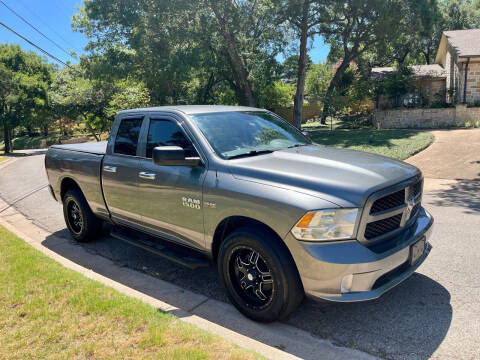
170,197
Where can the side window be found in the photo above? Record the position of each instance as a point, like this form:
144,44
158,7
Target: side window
127,137
167,133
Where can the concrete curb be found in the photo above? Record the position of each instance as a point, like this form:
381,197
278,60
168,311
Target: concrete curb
274,341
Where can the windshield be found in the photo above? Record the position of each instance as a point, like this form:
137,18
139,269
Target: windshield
244,133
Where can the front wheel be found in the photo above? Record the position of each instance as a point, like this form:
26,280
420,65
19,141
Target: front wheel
259,275
83,225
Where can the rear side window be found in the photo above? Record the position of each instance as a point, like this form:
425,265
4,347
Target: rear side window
127,137
167,133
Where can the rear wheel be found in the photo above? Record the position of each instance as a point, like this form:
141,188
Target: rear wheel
83,225
259,275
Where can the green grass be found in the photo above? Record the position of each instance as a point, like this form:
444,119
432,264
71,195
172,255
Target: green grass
51,312
398,144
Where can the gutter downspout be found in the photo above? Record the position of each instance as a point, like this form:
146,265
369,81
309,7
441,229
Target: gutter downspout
465,82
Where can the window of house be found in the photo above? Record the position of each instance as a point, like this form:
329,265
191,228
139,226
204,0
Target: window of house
167,133
127,137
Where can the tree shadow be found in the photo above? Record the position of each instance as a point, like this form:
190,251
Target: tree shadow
463,194
411,319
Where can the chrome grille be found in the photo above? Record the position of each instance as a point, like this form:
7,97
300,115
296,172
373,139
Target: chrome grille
390,210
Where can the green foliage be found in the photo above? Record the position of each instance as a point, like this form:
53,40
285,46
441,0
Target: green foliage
290,67
24,81
396,84
317,81
128,95
278,94
183,51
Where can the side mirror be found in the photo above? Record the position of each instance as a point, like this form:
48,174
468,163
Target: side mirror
173,156
306,134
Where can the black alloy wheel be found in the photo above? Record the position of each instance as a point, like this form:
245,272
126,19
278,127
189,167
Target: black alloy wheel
254,281
259,274
81,222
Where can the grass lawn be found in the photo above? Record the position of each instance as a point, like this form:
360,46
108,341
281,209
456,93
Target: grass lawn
398,144
52,312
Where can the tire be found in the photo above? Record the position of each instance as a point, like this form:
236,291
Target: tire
264,290
83,225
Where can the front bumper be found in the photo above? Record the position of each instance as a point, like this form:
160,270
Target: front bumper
349,271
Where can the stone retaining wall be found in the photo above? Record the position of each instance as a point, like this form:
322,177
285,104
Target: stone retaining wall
426,118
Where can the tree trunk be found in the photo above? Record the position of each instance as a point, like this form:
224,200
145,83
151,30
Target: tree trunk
6,137
333,83
302,59
246,97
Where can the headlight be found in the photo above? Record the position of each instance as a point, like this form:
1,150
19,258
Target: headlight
324,225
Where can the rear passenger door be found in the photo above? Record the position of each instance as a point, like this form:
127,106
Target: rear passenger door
170,197
120,169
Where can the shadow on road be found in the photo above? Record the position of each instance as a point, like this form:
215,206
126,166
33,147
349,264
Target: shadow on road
411,321
464,194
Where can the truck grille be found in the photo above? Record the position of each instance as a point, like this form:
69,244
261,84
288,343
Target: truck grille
388,202
381,227
389,213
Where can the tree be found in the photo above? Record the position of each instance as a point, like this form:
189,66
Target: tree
290,67
450,15
128,95
353,28
316,83
169,44
305,17
24,80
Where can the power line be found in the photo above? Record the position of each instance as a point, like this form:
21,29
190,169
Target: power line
33,27
66,42
36,46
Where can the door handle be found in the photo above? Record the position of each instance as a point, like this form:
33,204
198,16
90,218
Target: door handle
146,176
112,169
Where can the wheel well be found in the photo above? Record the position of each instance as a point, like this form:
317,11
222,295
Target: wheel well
232,223
68,184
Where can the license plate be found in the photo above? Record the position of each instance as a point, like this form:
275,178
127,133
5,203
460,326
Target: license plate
417,250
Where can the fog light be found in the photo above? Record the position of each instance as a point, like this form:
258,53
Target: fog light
346,284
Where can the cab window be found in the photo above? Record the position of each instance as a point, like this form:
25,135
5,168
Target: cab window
127,137
167,133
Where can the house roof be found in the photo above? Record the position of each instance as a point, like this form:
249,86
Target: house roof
466,43
433,71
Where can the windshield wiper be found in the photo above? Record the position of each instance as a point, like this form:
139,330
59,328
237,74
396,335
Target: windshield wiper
296,145
250,153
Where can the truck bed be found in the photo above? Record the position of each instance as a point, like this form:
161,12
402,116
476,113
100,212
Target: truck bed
97,148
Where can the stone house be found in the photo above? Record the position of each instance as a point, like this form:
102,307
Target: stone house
454,78
459,54
429,86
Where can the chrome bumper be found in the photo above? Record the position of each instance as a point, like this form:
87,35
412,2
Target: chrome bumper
348,271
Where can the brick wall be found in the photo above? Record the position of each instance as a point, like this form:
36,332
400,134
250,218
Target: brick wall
473,82
425,118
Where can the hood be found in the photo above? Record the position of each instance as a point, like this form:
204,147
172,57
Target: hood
344,177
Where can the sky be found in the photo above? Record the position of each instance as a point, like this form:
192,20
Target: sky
53,19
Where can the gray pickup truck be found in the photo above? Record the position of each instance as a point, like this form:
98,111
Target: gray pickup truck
280,216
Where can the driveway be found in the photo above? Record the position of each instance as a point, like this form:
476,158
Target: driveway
454,155
434,314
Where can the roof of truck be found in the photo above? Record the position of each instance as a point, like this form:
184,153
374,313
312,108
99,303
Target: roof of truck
194,109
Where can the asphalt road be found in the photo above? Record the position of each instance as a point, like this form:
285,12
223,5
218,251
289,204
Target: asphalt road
434,314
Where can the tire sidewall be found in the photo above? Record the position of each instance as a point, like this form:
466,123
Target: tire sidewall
272,259
71,196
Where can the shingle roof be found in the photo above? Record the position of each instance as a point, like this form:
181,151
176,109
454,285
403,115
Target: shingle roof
465,42
433,71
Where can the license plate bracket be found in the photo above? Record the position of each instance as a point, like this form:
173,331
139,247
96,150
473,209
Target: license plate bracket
417,250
